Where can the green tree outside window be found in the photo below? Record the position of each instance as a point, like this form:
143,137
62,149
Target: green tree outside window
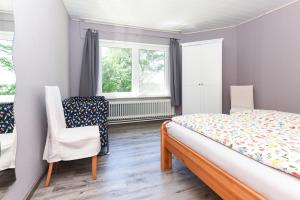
116,70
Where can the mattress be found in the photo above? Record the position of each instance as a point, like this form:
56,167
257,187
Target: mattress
267,136
269,182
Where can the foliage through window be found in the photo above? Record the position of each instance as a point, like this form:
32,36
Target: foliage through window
7,75
133,70
152,71
116,69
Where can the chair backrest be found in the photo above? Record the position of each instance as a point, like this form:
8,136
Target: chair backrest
55,112
241,98
7,119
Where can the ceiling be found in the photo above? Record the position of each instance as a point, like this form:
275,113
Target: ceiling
6,6
172,15
167,15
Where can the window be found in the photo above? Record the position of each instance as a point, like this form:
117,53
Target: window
116,69
7,75
152,71
131,70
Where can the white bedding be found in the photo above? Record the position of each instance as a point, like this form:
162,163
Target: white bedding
269,182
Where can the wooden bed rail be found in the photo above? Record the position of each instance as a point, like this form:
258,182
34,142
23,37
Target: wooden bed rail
225,185
166,155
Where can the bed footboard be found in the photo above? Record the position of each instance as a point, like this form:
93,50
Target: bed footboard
225,185
166,155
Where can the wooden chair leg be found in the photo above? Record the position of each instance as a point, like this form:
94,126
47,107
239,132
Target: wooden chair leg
48,179
56,165
94,167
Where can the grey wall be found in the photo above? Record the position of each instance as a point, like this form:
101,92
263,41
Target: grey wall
229,57
269,58
41,58
77,33
6,22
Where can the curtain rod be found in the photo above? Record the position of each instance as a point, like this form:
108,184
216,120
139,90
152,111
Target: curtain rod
86,21
136,34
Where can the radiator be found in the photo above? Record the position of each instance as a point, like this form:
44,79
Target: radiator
139,110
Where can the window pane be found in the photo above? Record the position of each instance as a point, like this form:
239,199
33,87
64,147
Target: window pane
116,69
152,72
7,75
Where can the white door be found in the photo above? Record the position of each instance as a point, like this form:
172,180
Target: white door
202,77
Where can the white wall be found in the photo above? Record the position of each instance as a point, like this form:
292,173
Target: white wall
41,58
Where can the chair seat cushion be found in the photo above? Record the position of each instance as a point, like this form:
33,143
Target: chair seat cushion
6,140
70,135
74,143
8,150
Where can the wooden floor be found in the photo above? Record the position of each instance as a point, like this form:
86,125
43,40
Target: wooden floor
130,172
7,177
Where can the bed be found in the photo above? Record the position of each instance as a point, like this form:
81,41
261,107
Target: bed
229,173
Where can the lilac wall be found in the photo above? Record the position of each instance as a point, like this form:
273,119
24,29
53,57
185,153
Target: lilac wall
266,53
269,58
229,57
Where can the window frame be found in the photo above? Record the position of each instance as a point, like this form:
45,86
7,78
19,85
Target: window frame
135,47
7,35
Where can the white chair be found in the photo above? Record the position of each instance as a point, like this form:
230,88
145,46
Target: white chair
67,143
241,98
8,147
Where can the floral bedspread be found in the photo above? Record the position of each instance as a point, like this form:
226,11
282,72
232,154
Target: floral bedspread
269,137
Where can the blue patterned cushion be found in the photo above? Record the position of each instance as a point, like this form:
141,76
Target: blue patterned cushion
7,119
88,111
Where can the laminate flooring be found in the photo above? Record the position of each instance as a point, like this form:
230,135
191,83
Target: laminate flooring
7,178
130,172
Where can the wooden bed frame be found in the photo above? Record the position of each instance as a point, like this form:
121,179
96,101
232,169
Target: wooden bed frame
225,185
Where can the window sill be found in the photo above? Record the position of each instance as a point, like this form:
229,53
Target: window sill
7,98
138,97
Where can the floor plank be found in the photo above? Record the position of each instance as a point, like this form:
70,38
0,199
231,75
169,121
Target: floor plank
130,172
7,178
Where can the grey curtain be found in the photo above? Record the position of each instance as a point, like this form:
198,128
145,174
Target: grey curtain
175,72
90,64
